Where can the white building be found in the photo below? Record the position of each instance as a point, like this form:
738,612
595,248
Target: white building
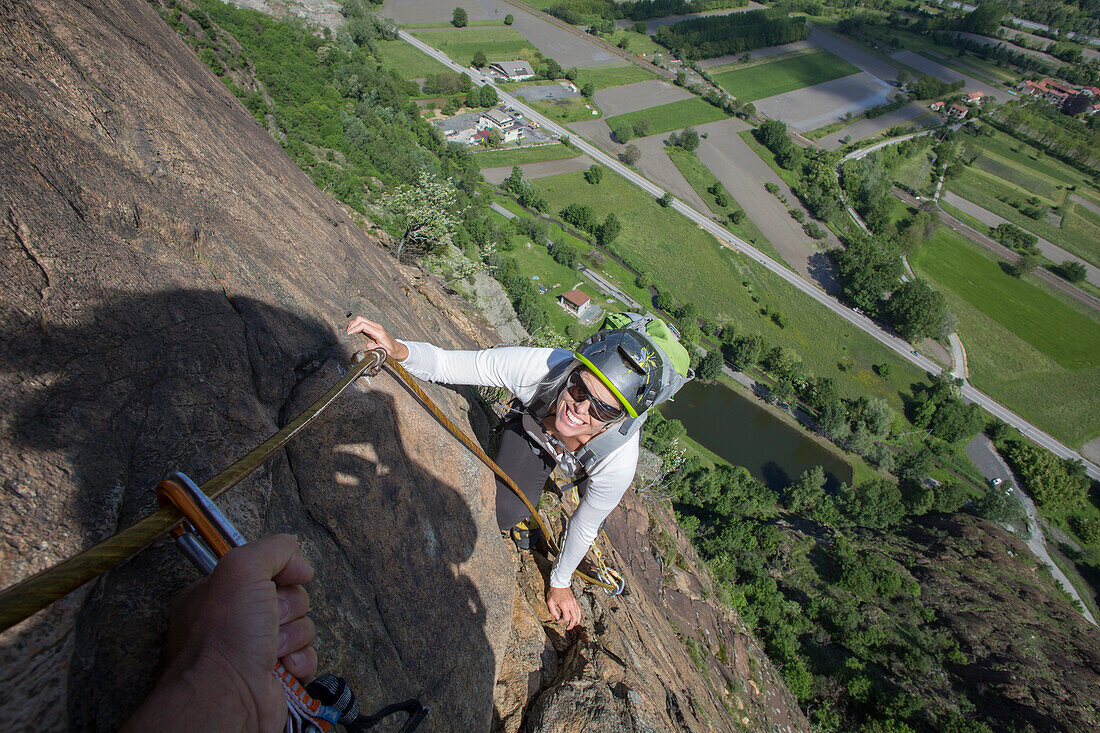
512,70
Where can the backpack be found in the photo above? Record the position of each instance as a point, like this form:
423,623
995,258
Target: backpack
675,373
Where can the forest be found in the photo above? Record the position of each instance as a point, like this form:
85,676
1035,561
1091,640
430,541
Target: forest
709,37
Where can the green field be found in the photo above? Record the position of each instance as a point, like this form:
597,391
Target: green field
986,190
636,42
1026,348
700,178
498,44
1013,170
690,264
603,77
519,156
572,109
469,24
408,61
775,77
673,116
916,173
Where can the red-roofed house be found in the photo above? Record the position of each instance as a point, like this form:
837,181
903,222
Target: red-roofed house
957,110
974,97
576,302
936,106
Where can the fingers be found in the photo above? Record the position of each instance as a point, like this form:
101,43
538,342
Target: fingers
296,636
302,664
293,602
276,558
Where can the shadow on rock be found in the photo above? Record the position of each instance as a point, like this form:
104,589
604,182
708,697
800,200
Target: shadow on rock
111,400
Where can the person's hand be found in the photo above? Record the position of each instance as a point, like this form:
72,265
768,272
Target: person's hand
563,606
377,336
225,634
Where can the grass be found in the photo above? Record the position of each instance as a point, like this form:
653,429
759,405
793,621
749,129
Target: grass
983,189
726,287
572,109
788,177
441,24
916,172
636,42
700,178
519,156
498,44
409,62
1026,348
672,116
603,77
776,77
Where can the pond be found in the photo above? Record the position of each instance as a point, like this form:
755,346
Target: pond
744,433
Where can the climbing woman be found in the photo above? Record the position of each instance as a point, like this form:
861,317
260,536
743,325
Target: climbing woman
581,411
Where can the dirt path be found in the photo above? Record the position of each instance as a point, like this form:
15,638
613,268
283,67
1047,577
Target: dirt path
1051,251
743,174
542,169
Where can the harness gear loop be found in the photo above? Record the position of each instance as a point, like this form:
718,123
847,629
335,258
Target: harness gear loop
38,591
410,383
304,711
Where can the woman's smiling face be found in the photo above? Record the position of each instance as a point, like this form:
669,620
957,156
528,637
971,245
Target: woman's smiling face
574,418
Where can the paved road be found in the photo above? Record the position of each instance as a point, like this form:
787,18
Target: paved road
981,451
541,169
1051,251
900,347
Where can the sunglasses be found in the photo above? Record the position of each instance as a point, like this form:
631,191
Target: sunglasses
597,408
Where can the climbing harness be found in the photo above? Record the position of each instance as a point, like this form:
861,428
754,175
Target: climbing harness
33,594
204,535
410,383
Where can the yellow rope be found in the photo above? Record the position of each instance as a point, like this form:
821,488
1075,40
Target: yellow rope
38,591
410,383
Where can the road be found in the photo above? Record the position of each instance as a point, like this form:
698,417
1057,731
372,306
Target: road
1051,251
895,344
989,462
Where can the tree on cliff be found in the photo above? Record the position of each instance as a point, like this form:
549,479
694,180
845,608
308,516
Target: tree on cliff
424,212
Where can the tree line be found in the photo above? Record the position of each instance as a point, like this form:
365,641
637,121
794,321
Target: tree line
708,37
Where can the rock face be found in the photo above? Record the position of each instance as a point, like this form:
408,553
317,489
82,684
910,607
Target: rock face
175,289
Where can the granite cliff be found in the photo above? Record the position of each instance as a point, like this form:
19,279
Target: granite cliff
175,289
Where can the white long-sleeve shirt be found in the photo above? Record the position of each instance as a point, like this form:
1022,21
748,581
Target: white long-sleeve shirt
520,370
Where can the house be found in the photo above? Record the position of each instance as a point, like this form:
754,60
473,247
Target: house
957,111
512,70
974,97
1052,91
498,118
576,302
936,106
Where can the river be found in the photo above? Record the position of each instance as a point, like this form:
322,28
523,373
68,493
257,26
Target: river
743,432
